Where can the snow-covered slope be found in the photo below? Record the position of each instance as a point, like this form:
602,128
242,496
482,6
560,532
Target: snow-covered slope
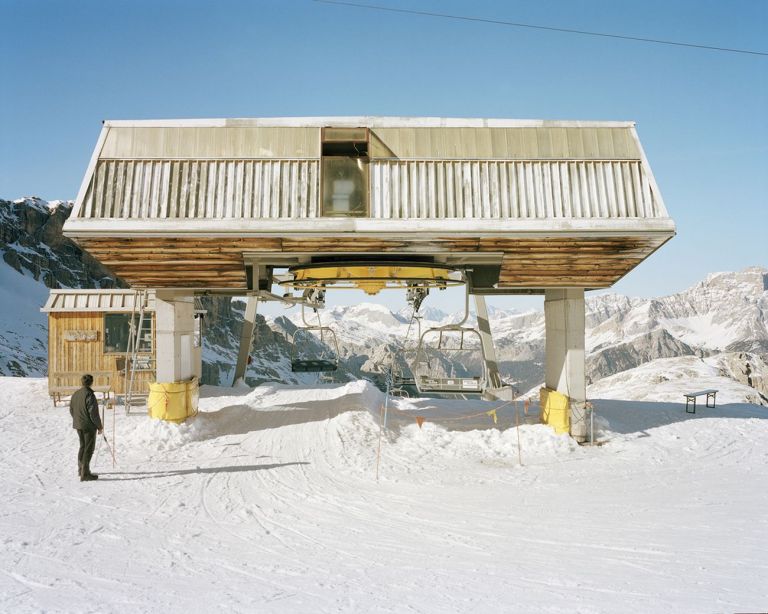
268,502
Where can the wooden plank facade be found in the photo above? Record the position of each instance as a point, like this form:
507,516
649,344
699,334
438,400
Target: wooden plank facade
219,262
71,351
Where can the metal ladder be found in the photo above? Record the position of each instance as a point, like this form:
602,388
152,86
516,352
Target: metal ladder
140,298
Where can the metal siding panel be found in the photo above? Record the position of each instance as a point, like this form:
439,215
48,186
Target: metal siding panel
87,209
168,207
164,179
544,141
512,209
229,198
266,191
559,142
442,189
493,171
565,189
484,143
593,193
602,190
637,188
423,191
206,205
146,185
514,139
475,203
413,191
450,194
247,195
274,190
485,191
98,193
575,185
650,204
314,194
109,189
458,191
629,195
499,148
575,143
127,189
529,144
193,188
431,189
528,204
538,205
136,183
404,187
616,204
258,189
605,143
590,144
183,206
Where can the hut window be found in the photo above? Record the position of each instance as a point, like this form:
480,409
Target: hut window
344,172
117,330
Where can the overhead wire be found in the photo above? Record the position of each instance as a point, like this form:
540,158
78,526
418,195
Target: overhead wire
516,24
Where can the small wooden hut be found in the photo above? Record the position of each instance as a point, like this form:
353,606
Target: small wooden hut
88,332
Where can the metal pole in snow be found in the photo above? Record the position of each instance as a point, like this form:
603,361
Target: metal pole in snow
517,428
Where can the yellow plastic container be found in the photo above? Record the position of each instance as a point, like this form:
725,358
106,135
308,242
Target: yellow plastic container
555,410
173,401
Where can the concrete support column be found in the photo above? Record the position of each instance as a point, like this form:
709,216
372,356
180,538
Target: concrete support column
564,353
177,357
486,340
246,337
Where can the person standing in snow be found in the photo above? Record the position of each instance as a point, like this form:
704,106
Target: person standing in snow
86,420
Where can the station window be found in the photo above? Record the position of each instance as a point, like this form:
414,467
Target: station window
345,172
117,330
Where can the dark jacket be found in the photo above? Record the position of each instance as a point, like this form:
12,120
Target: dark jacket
85,410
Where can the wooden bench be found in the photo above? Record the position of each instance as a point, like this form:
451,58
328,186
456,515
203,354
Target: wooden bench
66,383
690,399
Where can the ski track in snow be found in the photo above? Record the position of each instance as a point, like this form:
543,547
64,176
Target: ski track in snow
268,502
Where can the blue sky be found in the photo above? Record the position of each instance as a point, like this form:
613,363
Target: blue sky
702,115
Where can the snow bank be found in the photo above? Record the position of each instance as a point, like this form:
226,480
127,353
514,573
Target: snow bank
268,501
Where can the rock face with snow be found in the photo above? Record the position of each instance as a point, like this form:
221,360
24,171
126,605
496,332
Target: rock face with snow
36,257
32,244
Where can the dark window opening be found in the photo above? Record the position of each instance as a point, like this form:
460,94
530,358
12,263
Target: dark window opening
344,172
117,330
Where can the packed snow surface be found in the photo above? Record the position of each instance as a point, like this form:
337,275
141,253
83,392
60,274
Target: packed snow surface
268,501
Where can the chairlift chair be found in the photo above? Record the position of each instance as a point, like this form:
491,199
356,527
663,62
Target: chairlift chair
302,338
427,380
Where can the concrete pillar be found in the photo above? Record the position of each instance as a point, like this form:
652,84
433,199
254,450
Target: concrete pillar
486,340
564,353
246,337
177,357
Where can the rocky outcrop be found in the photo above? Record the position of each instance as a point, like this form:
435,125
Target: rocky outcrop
31,241
641,349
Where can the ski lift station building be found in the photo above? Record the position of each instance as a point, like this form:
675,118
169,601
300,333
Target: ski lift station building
516,207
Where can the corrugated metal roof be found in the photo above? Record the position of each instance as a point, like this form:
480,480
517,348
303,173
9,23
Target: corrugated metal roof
264,189
94,301
420,168
108,301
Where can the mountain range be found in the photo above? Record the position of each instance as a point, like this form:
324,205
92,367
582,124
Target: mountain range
723,319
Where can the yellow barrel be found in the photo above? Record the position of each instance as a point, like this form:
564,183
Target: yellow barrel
555,410
173,401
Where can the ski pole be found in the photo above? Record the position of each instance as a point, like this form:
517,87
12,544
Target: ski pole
111,451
